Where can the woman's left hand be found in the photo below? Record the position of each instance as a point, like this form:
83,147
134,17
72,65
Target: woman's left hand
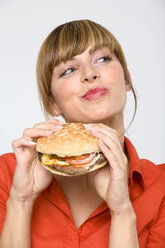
111,182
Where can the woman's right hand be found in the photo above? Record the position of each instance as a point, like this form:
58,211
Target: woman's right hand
30,177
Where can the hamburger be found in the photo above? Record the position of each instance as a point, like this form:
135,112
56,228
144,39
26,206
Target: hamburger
71,151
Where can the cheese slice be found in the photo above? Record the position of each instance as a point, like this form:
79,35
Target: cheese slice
47,160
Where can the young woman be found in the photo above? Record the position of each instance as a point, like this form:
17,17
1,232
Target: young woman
121,205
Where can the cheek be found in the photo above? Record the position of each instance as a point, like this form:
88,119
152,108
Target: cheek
64,90
117,84
116,76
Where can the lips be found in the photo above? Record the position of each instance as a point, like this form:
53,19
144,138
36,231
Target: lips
95,93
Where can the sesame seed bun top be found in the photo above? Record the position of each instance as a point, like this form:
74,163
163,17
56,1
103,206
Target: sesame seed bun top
72,140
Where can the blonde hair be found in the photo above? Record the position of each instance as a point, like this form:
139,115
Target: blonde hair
67,41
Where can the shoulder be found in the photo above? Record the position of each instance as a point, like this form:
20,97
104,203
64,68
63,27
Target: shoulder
153,174
8,160
7,168
143,166
148,167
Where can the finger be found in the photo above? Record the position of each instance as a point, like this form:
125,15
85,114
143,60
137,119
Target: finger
100,127
53,121
56,121
48,126
113,160
106,130
117,172
22,143
113,145
31,133
110,134
108,138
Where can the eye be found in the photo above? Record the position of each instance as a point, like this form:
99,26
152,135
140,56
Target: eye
68,71
104,59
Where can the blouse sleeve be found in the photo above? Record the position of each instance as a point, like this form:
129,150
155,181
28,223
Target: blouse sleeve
156,238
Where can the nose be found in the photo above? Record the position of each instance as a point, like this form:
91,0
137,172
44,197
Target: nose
90,75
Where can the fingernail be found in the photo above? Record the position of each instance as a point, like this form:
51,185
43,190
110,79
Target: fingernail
31,142
49,132
87,126
59,127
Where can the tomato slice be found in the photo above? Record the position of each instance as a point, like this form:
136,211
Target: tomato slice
81,160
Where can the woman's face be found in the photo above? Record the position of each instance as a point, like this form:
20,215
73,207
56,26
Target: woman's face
89,87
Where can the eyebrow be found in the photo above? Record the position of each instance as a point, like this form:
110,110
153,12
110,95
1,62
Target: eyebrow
73,58
69,60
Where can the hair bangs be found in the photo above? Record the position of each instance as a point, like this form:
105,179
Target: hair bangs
75,37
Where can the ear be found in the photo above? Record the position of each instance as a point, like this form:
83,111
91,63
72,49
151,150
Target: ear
55,111
128,84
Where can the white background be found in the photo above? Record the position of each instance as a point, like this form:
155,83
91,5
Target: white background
138,25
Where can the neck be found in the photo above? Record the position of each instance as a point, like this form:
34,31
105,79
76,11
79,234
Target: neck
77,187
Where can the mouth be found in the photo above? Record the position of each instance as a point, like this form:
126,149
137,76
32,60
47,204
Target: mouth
95,93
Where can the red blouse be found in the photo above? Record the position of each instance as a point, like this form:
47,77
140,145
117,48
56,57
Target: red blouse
52,222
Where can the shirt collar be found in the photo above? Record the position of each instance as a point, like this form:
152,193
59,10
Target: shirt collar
135,170
55,195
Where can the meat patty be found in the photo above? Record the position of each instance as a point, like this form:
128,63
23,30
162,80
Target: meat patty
69,169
